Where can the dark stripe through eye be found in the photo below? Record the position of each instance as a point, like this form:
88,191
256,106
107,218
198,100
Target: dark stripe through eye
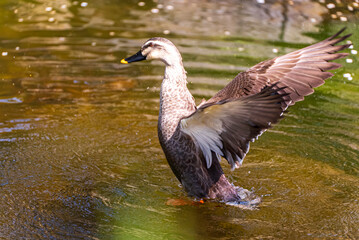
150,45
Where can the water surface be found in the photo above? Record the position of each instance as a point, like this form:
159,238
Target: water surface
79,154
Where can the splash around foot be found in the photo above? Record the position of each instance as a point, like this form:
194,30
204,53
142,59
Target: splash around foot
247,199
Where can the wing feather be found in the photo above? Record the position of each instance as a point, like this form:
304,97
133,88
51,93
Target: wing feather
256,98
299,71
226,128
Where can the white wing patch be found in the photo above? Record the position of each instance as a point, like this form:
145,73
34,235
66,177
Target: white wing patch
205,127
226,128
205,136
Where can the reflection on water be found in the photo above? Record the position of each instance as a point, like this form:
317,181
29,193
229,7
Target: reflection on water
79,155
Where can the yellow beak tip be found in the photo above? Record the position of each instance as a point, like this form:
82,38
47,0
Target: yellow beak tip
123,61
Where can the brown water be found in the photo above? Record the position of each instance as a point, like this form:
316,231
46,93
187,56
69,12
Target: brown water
79,155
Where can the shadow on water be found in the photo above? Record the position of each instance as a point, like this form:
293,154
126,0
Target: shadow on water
79,155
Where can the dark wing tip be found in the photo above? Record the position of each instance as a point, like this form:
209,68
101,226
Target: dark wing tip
343,38
338,33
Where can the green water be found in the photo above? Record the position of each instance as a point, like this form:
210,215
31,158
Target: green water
79,154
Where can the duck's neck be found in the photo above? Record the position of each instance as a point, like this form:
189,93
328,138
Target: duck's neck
176,101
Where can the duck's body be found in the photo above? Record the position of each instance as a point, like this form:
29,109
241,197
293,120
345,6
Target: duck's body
183,156
194,138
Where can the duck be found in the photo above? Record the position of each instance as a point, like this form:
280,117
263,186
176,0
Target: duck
195,138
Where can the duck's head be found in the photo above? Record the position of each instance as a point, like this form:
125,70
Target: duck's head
157,48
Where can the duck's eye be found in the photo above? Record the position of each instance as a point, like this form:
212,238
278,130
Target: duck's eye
147,45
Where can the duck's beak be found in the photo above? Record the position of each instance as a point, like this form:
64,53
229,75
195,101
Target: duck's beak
134,58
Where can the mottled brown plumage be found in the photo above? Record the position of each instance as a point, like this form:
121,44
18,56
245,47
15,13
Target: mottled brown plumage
299,71
195,138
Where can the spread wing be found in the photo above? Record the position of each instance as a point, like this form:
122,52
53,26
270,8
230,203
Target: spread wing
227,127
299,71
